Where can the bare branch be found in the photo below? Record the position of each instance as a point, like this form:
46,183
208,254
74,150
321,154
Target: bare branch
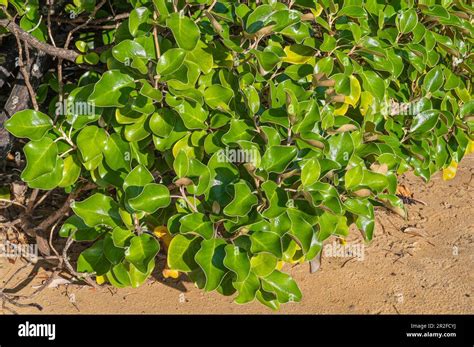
62,53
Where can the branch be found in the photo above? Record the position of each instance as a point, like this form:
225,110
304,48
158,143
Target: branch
34,42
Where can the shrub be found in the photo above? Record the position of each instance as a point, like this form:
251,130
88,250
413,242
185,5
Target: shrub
235,136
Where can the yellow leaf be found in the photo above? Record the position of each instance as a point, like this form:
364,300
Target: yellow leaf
168,273
355,92
296,55
341,110
450,172
100,280
470,147
316,12
163,233
280,265
366,101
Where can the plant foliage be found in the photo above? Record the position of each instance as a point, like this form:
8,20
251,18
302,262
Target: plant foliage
333,99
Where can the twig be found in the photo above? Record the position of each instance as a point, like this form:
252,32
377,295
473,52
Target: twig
35,43
25,74
31,201
183,194
84,277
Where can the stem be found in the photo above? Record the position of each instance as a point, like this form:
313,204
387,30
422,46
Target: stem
183,194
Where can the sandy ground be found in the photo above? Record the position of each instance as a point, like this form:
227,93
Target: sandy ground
427,268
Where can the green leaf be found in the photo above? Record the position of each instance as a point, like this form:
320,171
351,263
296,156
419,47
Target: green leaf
433,80
277,158
310,172
138,178
150,92
142,251
266,241
277,198
196,223
112,90
185,31
192,114
128,50
93,260
138,21
374,84
41,159
424,121
340,148
406,21
243,201
304,233
247,289
181,164
267,60
98,209
114,254
181,252
218,97
81,232
202,56
283,286
90,142
71,171
121,237
30,124
237,261
116,152
170,61
263,264
152,197
211,260
352,11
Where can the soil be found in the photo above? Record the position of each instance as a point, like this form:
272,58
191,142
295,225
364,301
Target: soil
420,265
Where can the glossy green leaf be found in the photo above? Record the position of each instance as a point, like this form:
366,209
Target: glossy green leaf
243,201
112,89
181,252
185,31
211,260
142,251
30,124
98,209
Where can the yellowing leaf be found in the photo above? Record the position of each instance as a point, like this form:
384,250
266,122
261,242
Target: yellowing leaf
100,280
450,172
316,12
366,101
341,110
163,234
470,147
168,273
355,92
297,54
280,265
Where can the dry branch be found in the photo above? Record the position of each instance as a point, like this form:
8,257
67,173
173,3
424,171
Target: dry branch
62,53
